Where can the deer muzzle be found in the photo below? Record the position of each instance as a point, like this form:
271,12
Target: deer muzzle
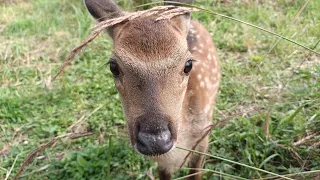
154,135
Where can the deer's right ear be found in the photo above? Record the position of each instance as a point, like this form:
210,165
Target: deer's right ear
103,10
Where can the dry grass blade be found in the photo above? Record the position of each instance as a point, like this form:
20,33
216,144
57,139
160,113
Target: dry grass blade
14,163
175,12
190,175
234,162
266,124
291,23
73,53
315,172
217,173
315,145
300,65
83,118
35,152
1,168
303,140
164,12
36,171
197,143
202,137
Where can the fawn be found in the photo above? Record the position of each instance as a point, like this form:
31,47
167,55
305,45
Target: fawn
167,74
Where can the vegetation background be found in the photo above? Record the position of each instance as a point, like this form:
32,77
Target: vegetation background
270,93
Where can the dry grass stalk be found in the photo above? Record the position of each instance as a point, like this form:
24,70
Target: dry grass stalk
266,125
315,173
164,13
315,145
207,132
35,152
193,174
305,139
211,127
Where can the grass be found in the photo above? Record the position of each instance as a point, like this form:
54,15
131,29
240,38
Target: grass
269,124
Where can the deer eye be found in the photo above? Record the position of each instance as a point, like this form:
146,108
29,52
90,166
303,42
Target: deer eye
188,66
114,68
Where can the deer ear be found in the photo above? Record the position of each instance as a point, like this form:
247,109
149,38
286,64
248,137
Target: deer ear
103,10
182,22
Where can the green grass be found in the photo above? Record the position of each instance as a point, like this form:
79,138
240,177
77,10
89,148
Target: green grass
36,36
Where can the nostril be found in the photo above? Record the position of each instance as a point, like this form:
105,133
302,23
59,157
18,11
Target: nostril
154,144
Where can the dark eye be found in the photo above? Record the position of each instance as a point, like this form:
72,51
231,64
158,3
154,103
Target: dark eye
188,66
114,68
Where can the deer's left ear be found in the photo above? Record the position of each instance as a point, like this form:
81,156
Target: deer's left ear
182,22
103,10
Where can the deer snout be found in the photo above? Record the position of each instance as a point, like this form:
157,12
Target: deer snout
154,137
154,144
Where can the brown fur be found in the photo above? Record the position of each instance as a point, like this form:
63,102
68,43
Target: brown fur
147,46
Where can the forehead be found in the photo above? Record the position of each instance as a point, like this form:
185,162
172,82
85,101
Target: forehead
146,40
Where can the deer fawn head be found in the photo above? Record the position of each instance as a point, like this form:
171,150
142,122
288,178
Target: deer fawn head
151,66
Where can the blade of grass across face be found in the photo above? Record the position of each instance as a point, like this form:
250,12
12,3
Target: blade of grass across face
234,19
234,162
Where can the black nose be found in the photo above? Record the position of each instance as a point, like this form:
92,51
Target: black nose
154,134
154,144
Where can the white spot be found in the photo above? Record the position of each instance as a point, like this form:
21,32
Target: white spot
207,108
214,58
199,76
201,45
215,63
214,70
209,57
202,84
206,80
198,36
193,31
200,51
